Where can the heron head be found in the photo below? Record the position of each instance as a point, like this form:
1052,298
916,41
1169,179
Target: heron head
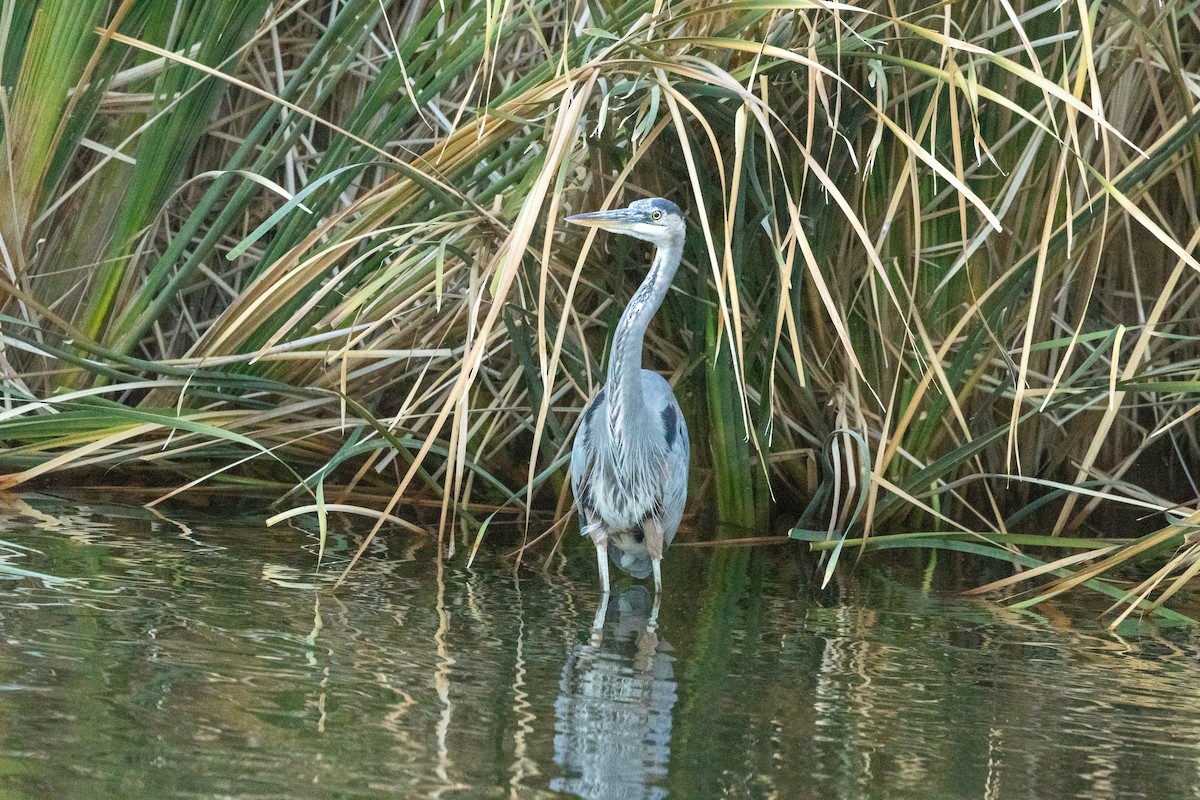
654,220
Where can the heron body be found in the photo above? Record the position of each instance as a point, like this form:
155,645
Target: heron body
629,463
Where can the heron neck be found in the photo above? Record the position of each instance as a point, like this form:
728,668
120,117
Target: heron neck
627,405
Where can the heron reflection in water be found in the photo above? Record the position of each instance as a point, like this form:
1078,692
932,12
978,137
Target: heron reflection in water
613,713
629,462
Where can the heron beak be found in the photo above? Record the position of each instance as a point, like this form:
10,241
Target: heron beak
615,220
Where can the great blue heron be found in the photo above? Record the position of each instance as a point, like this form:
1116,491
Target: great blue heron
629,463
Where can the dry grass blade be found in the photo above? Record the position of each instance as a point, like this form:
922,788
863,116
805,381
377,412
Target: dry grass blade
968,237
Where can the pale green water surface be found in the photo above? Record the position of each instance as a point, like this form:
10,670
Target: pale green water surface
205,659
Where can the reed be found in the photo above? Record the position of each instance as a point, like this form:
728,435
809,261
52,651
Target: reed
941,270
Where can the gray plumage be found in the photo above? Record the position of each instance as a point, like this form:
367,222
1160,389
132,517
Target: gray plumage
629,463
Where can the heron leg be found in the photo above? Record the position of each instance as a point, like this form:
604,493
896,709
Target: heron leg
595,529
602,558
602,561
654,547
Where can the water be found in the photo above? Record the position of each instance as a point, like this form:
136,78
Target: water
197,659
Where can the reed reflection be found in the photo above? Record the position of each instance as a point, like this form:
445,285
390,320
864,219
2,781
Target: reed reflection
616,696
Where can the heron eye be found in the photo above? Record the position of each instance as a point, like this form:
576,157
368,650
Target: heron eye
656,216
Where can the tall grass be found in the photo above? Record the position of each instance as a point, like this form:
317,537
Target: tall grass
941,270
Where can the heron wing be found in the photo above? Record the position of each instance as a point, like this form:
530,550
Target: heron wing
664,409
669,481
